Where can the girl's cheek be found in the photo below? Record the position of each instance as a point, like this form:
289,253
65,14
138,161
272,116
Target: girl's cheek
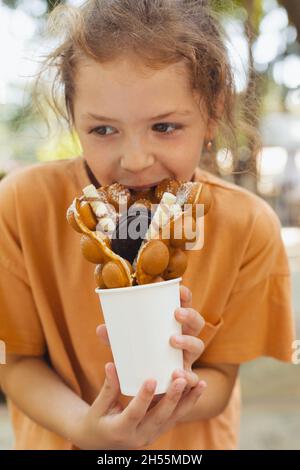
182,156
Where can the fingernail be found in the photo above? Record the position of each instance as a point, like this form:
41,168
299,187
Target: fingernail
178,339
182,312
188,293
151,387
201,385
180,386
108,368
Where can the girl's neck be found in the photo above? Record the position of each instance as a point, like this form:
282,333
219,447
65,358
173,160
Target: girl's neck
91,175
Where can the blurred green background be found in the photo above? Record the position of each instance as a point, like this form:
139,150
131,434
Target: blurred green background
264,45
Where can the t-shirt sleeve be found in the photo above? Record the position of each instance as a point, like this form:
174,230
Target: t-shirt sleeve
20,326
257,319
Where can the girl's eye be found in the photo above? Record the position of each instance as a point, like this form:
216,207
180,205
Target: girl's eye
164,126
101,130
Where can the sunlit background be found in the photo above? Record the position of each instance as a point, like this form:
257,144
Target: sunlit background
264,36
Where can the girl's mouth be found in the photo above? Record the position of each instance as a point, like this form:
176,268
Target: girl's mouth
141,188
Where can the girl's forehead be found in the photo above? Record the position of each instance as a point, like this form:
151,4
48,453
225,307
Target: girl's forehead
125,82
128,73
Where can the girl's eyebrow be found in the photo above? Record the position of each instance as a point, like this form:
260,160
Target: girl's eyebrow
184,112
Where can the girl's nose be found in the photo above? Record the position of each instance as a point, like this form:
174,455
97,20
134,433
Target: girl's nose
136,162
136,159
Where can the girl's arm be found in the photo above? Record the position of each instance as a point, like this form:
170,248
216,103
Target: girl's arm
220,379
41,394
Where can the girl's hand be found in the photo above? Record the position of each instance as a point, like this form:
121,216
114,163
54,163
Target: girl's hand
192,323
106,425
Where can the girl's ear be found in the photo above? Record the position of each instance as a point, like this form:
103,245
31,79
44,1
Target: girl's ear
211,130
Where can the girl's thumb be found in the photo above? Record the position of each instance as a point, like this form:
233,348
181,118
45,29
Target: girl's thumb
109,392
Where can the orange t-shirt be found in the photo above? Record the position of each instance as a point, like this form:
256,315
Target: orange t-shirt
239,280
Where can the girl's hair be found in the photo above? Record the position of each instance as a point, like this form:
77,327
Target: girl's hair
159,33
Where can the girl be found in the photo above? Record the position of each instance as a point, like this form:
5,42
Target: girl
147,86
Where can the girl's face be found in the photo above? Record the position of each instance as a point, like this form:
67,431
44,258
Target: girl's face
138,126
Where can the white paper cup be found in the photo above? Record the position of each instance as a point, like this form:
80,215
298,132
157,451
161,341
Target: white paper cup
140,321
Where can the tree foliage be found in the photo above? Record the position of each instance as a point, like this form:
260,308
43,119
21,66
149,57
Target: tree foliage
254,7
50,3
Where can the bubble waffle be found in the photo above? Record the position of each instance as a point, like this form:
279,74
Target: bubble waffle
155,255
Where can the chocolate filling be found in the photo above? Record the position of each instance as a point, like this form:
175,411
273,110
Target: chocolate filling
130,232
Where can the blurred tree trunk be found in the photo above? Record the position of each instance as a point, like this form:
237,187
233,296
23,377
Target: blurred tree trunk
248,176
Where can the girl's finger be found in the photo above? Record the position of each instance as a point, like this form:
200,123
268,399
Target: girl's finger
185,296
191,320
155,400
136,410
188,402
116,409
191,377
102,334
192,347
109,393
162,412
